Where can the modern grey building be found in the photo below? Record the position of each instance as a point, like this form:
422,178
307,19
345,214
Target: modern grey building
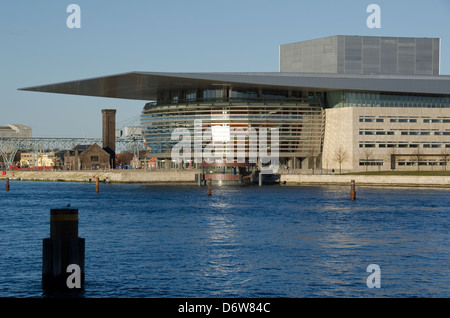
343,103
362,55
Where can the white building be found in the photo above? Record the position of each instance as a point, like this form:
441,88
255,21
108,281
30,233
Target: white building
15,130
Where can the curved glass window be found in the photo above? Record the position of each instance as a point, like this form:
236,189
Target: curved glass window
300,123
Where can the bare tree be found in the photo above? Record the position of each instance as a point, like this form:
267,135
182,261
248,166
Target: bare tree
367,155
418,157
445,157
124,158
340,155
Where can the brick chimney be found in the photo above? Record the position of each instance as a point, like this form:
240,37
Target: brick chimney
109,133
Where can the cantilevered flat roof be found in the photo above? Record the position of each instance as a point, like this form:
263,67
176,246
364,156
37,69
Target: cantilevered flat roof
146,85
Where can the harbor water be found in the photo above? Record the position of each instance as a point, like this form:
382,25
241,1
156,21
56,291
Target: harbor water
163,240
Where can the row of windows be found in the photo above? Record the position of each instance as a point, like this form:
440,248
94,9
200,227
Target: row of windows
393,145
175,97
415,133
371,162
406,163
404,133
334,99
422,163
369,132
371,120
356,99
402,120
436,121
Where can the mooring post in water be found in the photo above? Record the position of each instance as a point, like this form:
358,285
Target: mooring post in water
209,186
352,190
63,253
7,184
97,186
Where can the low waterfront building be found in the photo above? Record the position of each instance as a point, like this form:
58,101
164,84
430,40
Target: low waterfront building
341,103
35,160
87,157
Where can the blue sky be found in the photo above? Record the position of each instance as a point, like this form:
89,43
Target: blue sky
37,48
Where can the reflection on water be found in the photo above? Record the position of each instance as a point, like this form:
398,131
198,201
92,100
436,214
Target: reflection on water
270,241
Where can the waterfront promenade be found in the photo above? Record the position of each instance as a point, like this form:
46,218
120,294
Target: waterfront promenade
188,176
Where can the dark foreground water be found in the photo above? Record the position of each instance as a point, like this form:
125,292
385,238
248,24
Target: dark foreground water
271,241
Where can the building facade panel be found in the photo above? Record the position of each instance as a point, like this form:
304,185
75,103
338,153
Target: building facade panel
406,55
310,56
371,55
353,55
389,56
363,55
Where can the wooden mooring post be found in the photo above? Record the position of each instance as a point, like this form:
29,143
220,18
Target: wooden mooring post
7,184
97,185
63,253
352,190
209,186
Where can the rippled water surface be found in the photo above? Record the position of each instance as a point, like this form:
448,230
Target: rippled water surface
271,241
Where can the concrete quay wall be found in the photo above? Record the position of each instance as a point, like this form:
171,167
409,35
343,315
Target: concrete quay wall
188,176
405,181
118,176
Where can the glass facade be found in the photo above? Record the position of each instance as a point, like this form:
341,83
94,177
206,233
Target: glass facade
362,99
300,122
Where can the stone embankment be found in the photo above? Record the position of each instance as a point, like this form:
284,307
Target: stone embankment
118,176
188,176
369,180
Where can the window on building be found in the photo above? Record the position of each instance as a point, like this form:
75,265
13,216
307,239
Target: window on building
371,162
366,145
94,158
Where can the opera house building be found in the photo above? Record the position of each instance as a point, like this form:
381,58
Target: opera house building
347,103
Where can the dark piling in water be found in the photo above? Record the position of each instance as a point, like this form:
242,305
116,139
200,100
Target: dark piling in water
63,253
352,191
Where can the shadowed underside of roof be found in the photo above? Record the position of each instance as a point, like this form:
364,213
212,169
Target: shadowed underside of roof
146,85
